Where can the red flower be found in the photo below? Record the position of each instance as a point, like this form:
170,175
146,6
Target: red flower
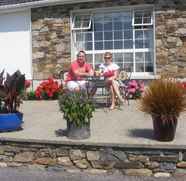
47,88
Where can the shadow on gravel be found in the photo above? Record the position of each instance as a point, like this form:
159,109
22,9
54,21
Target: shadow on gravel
143,133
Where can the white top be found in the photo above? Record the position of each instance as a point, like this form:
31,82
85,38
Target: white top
107,68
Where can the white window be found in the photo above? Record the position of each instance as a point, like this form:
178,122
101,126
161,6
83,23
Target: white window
142,18
81,22
127,34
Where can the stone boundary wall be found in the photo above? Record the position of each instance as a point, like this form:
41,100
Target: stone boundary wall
94,159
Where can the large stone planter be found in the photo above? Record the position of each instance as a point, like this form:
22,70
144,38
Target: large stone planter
164,131
10,121
74,132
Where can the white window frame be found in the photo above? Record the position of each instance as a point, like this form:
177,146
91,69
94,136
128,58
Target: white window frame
141,24
82,28
136,75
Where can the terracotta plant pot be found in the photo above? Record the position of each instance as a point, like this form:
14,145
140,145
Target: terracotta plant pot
164,131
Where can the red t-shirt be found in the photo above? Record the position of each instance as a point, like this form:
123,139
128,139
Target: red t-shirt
75,66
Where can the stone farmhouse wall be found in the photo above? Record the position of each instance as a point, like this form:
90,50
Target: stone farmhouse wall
51,36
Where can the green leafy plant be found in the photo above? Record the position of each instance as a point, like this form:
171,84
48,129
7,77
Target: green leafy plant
164,98
31,95
11,88
76,107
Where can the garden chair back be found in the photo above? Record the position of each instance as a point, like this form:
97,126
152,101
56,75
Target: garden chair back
123,80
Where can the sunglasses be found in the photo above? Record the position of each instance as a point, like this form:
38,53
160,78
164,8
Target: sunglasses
107,57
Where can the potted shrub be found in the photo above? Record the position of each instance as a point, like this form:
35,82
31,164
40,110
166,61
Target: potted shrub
77,110
11,88
164,100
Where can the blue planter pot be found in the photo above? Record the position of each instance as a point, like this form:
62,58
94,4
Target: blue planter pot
10,121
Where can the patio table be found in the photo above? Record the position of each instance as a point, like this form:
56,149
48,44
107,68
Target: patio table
97,81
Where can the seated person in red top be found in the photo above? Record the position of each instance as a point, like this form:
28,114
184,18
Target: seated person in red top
79,70
110,72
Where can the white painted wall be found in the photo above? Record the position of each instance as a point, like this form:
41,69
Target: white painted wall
15,42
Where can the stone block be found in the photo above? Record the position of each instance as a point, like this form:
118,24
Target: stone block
181,164
65,161
93,155
128,165
24,157
82,164
168,158
76,155
140,158
100,164
45,161
162,174
138,172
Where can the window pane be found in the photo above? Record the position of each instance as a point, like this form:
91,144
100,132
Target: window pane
98,58
108,26
148,34
98,18
147,17
118,35
82,21
89,58
128,25
98,27
139,57
139,34
88,45
118,44
80,45
147,44
98,45
120,65
108,36
77,24
139,67
148,57
128,67
108,17
118,26
88,37
117,16
108,45
127,16
128,57
128,34
98,35
85,23
147,20
79,37
139,43
149,67
118,57
138,18
128,44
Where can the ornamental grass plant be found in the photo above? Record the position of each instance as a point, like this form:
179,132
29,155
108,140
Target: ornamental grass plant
165,98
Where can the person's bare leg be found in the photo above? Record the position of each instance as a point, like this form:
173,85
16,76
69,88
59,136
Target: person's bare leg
112,98
110,87
115,86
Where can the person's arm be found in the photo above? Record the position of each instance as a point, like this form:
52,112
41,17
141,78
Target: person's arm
88,71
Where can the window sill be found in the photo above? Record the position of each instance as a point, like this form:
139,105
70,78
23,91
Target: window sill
144,77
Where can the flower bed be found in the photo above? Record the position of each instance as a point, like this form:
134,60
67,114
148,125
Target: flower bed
47,90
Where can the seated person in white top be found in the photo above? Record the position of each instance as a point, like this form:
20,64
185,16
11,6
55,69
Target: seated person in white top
110,71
